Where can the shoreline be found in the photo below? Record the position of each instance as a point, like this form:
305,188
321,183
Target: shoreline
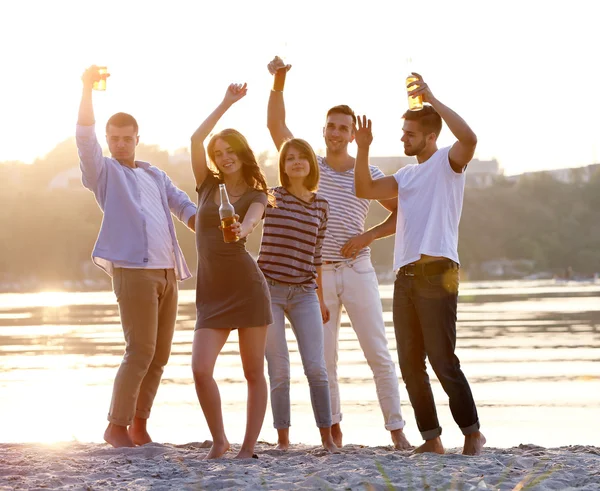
158,466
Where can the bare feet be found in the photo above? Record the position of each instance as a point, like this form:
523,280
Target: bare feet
399,440
327,440
138,433
283,439
474,443
117,436
245,453
330,446
336,434
217,450
433,446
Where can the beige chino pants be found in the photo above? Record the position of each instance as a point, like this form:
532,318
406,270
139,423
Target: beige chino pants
147,301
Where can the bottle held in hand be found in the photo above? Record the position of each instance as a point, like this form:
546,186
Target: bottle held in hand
227,216
415,103
279,79
101,83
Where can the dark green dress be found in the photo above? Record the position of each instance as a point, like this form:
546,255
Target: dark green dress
231,291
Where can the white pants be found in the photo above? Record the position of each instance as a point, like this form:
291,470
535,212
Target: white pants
353,284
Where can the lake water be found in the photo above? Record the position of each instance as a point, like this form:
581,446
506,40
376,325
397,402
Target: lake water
530,350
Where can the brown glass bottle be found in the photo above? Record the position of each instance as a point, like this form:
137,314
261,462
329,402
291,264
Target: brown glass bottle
227,215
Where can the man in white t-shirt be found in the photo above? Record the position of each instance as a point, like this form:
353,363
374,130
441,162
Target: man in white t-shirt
349,279
430,198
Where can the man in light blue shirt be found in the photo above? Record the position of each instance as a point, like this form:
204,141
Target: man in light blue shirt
138,247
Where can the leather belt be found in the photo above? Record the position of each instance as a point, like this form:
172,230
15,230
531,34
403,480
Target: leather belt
428,269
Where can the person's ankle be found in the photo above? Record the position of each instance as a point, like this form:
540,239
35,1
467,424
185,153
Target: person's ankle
113,427
139,422
283,437
117,436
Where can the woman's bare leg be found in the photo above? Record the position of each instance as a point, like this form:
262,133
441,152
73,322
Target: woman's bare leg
252,352
207,345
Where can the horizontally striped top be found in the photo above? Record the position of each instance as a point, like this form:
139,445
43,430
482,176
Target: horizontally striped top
347,213
293,233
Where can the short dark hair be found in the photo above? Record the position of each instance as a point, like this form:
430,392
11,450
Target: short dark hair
312,180
342,109
121,120
428,118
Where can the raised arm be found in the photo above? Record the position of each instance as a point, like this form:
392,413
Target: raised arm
234,93
276,109
90,152
463,150
366,187
86,108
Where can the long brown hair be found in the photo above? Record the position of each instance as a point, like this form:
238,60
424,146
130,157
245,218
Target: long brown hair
252,173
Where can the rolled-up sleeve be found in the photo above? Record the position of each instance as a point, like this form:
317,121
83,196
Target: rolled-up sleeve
180,203
91,160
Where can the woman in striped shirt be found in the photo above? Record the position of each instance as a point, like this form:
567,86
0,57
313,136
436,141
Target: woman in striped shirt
290,259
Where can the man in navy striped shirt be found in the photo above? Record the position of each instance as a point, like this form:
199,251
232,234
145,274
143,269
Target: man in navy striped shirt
349,278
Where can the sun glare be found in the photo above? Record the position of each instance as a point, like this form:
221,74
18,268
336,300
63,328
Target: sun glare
52,299
488,61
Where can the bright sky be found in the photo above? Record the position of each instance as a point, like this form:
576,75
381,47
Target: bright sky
524,74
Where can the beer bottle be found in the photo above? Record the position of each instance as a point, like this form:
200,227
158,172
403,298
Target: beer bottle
101,83
415,102
227,215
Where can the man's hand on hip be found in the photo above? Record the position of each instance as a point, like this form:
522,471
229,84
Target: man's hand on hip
356,244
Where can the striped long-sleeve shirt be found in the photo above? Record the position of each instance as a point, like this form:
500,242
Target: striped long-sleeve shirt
293,233
347,213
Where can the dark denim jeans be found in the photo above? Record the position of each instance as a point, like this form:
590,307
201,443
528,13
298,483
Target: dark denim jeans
425,326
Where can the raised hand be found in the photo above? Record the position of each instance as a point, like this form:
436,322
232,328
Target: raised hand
235,92
277,63
362,132
419,87
92,75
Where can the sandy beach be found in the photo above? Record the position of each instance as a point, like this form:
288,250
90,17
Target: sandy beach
530,350
164,466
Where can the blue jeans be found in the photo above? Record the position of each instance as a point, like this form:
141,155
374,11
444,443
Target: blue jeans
425,326
300,305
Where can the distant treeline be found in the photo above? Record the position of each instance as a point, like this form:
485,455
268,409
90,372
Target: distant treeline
554,224
49,224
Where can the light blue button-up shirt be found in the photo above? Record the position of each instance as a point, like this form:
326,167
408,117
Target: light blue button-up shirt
122,236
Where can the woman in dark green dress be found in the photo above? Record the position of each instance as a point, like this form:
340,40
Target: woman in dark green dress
231,291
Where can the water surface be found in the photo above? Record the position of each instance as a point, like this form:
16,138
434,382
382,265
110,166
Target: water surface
529,349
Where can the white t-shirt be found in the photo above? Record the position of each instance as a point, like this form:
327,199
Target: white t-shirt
430,199
347,213
160,245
